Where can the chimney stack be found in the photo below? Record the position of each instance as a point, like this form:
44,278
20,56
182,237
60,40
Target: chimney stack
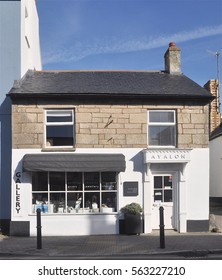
172,59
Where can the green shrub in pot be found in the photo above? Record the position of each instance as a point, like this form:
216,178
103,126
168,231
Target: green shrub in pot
132,208
132,218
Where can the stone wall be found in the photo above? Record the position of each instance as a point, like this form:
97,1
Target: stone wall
109,126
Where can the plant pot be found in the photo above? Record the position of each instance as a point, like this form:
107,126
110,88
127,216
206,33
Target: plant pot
133,223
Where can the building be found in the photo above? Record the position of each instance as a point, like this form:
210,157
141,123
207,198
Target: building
86,143
216,166
19,51
213,87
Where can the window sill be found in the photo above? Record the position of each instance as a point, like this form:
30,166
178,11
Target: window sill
54,149
73,214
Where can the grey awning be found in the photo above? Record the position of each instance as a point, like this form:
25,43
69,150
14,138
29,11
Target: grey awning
74,162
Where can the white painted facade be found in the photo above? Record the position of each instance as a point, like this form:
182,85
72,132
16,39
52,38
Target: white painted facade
216,167
20,44
19,51
190,172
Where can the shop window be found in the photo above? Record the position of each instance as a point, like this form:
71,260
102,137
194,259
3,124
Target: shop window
59,128
161,128
74,192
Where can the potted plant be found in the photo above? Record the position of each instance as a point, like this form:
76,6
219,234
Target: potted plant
133,218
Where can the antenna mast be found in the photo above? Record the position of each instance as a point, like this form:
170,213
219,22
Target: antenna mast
217,55
218,77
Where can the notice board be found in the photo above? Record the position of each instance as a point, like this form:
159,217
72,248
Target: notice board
130,189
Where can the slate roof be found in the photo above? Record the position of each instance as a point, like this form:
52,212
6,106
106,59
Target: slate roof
217,132
149,84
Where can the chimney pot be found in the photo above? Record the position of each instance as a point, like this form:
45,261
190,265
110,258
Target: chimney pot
172,44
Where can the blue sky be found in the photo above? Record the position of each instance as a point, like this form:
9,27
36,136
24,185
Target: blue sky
130,34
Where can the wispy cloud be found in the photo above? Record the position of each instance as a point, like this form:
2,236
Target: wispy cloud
81,50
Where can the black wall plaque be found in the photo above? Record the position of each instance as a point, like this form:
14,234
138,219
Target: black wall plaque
130,188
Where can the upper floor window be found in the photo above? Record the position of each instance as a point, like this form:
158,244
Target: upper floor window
59,128
162,128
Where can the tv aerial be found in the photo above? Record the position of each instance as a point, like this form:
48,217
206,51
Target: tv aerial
217,55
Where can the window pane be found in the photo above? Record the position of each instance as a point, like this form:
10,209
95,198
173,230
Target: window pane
161,117
59,116
39,198
91,180
168,182
167,195
108,180
74,181
158,195
109,201
92,199
40,181
157,182
162,136
60,135
57,181
58,202
74,201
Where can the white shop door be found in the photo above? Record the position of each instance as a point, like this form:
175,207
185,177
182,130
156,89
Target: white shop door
164,194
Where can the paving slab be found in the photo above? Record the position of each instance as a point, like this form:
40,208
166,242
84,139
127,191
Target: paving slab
112,245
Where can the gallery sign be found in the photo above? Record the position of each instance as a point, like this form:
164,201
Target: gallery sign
17,194
164,156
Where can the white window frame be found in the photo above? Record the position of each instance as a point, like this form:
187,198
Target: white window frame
46,123
174,123
83,191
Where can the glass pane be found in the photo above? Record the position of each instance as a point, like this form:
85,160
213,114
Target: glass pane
162,136
158,195
59,135
108,180
158,182
92,199
58,202
161,117
109,202
59,116
167,182
167,195
57,181
40,181
91,180
39,198
74,202
74,181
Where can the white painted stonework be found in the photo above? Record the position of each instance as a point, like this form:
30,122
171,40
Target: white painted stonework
216,167
190,202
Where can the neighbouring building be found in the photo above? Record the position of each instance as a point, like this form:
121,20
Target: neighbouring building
215,118
215,144
216,166
19,51
86,143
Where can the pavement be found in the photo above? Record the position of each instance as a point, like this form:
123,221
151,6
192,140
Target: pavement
201,245
144,246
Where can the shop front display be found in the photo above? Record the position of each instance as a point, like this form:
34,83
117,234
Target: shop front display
74,192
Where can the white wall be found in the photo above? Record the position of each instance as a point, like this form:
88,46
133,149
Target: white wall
10,47
15,59
87,224
216,167
30,55
196,184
